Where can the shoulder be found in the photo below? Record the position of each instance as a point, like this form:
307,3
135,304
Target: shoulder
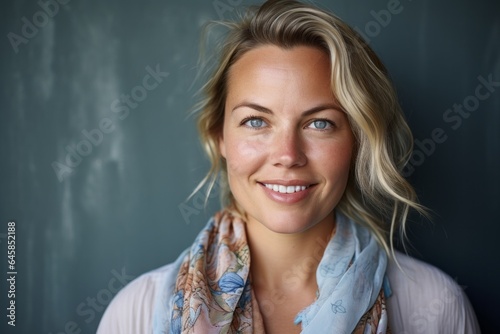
132,309
426,300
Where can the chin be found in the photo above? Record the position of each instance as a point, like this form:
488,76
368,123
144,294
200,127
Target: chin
285,228
286,223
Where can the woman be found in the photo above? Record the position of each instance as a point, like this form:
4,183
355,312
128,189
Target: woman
303,126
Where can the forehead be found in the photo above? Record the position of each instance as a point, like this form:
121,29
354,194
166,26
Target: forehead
274,60
269,72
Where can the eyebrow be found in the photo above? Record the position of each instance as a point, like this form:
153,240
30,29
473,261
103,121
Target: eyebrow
308,112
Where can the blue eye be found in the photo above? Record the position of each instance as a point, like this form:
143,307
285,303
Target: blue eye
254,123
320,124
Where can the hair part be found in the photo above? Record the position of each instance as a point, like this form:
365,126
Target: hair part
377,195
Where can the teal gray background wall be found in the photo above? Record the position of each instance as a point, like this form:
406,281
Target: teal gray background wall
99,154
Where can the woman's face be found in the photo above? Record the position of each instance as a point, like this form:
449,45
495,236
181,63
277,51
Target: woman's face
287,144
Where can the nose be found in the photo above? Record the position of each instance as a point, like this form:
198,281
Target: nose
288,150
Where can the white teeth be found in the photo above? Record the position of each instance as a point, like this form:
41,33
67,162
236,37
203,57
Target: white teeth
285,189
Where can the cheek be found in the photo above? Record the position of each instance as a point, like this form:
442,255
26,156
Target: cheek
244,156
335,160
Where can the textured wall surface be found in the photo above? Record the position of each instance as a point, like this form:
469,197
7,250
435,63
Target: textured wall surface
98,153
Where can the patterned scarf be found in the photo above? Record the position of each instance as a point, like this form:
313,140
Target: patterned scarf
213,292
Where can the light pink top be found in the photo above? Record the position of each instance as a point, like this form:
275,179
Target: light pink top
424,300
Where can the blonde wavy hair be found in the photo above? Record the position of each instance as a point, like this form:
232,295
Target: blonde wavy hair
377,195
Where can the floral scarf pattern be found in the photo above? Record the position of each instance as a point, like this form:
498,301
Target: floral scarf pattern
213,291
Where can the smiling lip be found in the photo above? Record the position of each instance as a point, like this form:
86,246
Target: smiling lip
286,192
285,189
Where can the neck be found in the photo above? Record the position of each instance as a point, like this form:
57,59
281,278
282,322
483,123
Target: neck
287,262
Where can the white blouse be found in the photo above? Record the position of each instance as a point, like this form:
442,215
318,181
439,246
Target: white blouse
424,300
